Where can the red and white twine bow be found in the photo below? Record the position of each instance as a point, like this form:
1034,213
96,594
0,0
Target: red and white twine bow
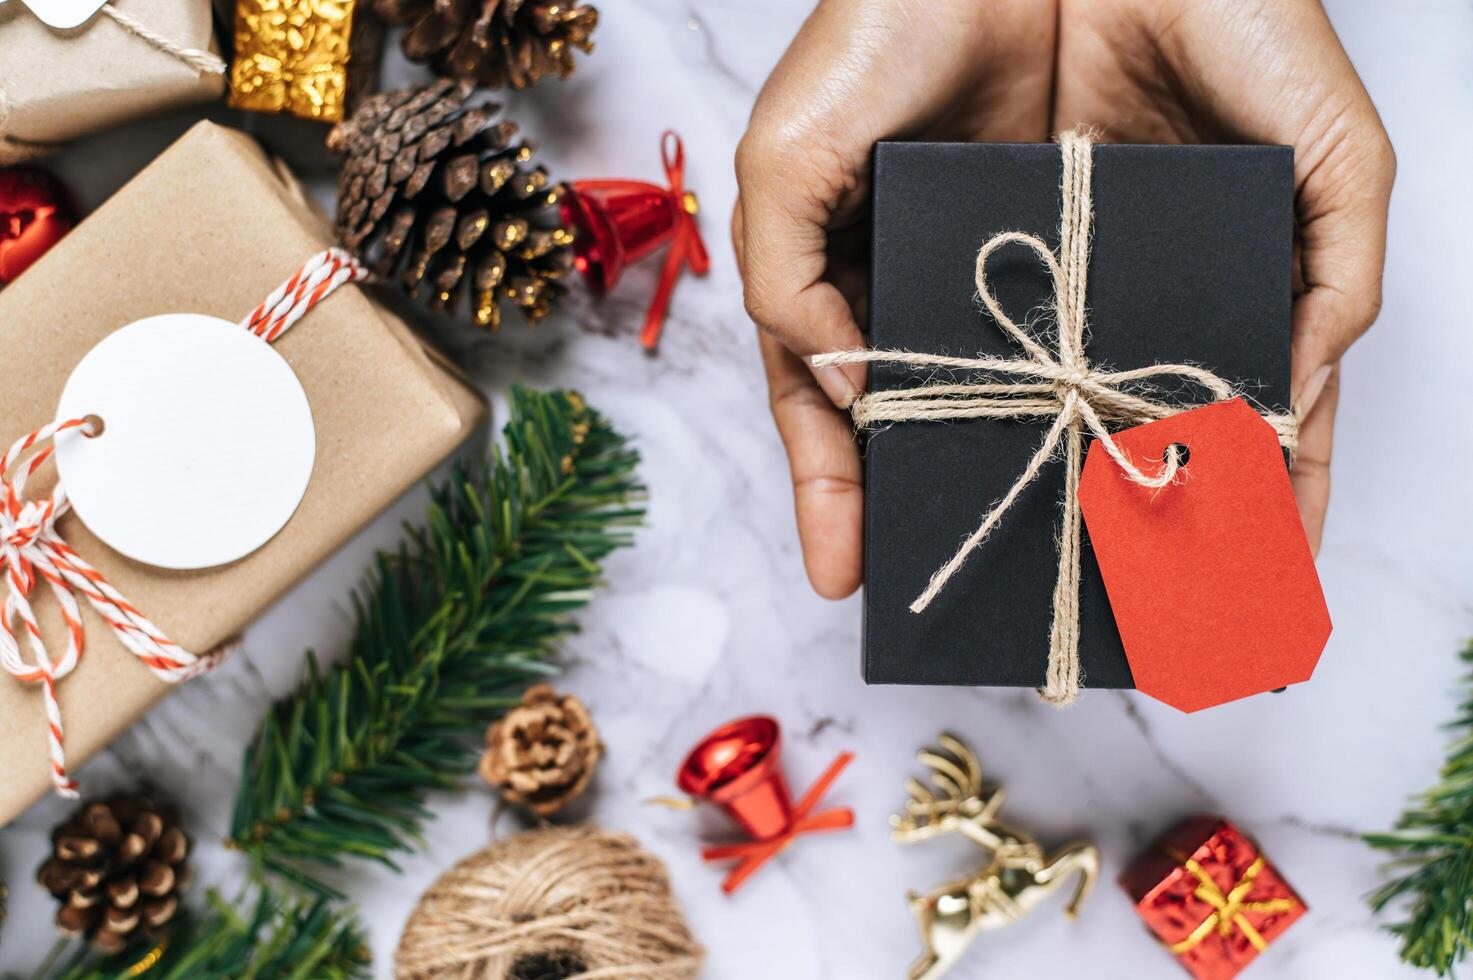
31,549
307,287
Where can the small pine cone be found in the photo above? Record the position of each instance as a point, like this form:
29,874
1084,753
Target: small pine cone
543,753
118,866
435,191
493,43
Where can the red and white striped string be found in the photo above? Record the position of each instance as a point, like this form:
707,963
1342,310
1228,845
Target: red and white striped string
31,549
307,287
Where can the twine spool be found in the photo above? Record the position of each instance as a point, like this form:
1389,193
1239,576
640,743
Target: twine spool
551,903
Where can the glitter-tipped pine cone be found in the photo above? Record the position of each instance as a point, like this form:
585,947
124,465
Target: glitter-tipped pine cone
438,194
493,43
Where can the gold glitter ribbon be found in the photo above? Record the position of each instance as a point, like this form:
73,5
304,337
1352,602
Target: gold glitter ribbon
1228,909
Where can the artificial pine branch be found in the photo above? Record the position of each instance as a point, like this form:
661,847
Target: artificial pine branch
450,630
1433,870
282,939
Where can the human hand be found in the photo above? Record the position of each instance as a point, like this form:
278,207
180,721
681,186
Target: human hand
1255,71
859,71
1153,71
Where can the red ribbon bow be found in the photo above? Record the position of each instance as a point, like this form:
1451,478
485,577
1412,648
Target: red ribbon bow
686,247
754,854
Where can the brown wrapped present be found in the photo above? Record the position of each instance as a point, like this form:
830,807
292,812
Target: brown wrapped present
211,228
59,84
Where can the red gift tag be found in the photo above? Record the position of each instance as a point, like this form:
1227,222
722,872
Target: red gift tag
1210,579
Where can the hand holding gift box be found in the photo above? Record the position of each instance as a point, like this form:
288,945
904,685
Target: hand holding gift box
800,216
382,410
1217,543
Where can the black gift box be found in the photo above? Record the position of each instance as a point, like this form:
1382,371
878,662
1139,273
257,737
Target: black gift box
1191,263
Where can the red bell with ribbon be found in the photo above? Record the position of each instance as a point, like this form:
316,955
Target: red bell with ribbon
736,767
35,211
619,222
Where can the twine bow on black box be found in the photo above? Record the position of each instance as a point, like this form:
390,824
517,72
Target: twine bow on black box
1058,384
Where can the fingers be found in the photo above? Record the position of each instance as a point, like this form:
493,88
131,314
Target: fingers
1348,168
1344,167
1273,71
858,71
799,163
841,385
1311,474
781,234
828,492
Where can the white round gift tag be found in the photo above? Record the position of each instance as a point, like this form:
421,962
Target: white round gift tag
206,447
64,14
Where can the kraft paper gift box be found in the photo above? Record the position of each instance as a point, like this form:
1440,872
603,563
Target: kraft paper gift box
56,85
1190,263
209,227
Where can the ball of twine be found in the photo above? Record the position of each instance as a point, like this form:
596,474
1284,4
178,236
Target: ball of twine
557,902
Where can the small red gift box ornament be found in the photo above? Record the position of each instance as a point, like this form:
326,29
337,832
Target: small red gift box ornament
1211,897
736,767
619,222
35,211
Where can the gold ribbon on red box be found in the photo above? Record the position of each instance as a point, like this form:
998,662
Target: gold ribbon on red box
1211,897
1228,909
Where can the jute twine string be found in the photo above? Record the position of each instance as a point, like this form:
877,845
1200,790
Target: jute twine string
204,62
1059,384
572,893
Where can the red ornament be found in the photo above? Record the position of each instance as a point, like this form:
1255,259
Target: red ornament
35,211
736,767
1211,898
619,222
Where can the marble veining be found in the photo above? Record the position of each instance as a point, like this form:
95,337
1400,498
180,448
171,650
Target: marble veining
709,616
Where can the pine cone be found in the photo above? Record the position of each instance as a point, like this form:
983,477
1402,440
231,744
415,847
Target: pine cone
434,188
493,42
119,866
543,753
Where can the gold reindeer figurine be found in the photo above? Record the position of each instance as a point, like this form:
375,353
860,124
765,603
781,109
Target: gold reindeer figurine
1018,877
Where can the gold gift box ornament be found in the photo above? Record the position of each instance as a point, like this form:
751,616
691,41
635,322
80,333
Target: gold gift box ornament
292,56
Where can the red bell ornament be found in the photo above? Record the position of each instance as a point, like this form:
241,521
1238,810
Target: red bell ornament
736,767
35,212
619,222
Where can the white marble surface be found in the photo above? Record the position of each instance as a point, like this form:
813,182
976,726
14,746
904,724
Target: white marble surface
709,617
